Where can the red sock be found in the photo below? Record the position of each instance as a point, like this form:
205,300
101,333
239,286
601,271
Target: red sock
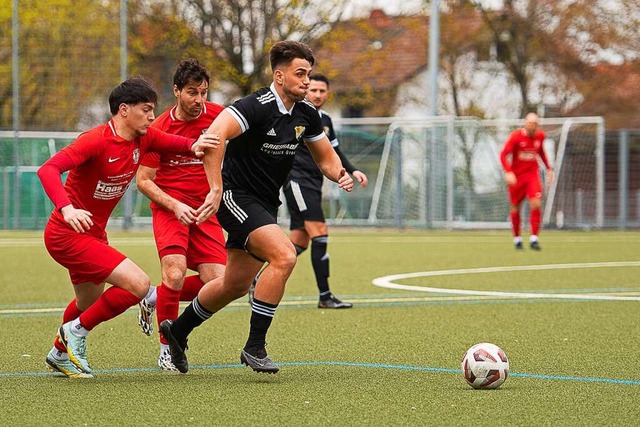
167,302
70,313
515,223
112,302
191,287
535,221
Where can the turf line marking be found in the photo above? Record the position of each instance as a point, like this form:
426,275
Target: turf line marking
388,281
347,364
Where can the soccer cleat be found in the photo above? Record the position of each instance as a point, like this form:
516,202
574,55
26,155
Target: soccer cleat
518,245
145,316
76,347
177,349
65,367
165,363
259,364
333,302
535,246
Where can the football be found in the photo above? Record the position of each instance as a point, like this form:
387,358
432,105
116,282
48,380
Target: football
485,366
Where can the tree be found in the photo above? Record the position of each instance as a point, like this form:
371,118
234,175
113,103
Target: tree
241,32
68,58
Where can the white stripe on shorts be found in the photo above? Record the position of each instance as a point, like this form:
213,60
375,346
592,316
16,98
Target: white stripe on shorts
240,215
297,194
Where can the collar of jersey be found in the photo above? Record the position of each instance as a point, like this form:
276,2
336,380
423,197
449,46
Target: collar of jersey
281,106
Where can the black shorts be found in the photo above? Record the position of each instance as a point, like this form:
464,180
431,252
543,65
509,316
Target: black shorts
240,213
304,204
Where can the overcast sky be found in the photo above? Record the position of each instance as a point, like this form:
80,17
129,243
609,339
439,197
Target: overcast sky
394,7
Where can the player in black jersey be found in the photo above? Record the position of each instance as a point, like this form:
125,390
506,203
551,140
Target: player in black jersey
264,130
303,191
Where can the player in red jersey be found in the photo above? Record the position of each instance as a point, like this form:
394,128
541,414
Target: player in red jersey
101,163
177,185
525,146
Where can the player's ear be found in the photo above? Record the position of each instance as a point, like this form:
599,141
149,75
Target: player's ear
176,91
124,109
278,76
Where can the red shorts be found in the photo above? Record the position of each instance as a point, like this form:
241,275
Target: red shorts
200,244
528,187
87,257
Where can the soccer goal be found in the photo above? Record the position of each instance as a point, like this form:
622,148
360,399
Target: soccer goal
445,172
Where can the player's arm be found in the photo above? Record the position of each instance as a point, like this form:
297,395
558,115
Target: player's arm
147,186
224,127
360,176
50,176
329,163
507,150
545,160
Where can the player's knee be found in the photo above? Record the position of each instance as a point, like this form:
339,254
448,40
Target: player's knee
173,277
286,260
141,284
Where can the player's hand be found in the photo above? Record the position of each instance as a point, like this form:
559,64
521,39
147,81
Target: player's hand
78,219
204,142
510,178
209,207
345,181
361,178
184,213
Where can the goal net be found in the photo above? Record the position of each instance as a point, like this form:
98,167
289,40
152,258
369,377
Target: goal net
446,173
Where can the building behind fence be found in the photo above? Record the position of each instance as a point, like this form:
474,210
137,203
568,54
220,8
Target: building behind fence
440,172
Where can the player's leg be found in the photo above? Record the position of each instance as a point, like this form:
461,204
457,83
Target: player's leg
271,244
534,193
172,239
319,234
516,196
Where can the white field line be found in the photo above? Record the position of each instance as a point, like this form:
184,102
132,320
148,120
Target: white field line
388,281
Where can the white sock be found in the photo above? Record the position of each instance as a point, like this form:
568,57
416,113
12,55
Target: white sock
59,355
164,348
151,296
517,239
77,328
533,238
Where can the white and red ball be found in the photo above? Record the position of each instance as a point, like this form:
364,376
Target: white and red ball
485,365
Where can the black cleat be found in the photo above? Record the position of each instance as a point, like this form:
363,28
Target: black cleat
177,349
518,245
259,364
333,302
535,246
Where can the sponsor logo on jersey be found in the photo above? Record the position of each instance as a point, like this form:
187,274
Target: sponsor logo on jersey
113,159
299,131
136,156
110,190
272,132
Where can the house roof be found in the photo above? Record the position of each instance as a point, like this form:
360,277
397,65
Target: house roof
378,52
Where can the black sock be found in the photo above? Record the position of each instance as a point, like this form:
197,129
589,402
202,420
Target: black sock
261,317
193,316
320,262
299,249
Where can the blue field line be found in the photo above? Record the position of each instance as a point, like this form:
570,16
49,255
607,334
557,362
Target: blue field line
348,364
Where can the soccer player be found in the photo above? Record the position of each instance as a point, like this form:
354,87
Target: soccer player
525,147
177,186
303,192
264,130
101,163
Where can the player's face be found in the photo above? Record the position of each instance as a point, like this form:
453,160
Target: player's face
318,93
531,125
140,116
295,79
191,99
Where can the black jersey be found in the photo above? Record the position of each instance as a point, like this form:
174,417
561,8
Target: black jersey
259,160
305,171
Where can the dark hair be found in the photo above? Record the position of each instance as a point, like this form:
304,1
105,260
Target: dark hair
190,70
319,77
283,52
133,91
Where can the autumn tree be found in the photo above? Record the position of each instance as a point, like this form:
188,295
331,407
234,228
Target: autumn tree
69,56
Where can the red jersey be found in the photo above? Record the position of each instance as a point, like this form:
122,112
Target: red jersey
182,176
524,151
104,166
